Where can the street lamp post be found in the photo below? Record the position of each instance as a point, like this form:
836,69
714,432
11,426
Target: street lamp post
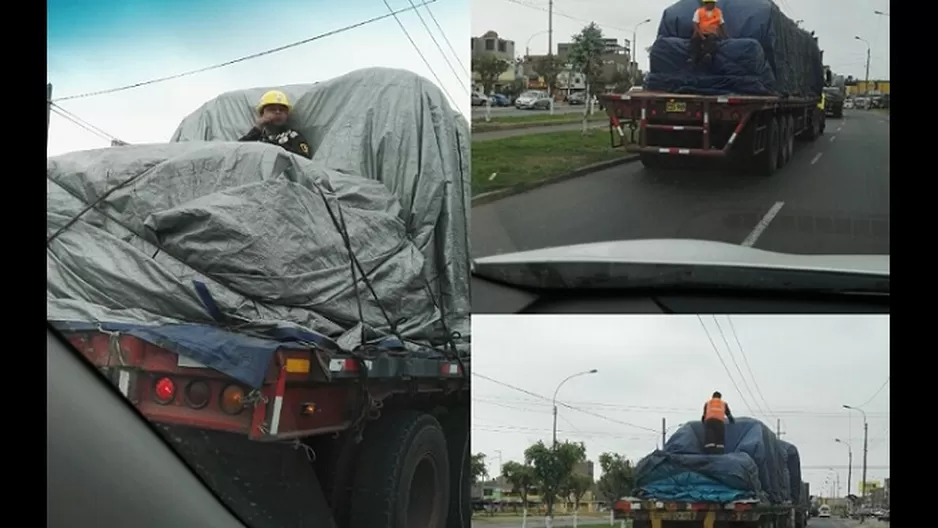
527,45
849,461
867,89
568,378
634,49
550,88
866,428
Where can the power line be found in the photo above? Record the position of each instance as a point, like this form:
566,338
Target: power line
875,394
440,48
564,15
833,413
249,57
584,411
58,110
727,369
746,362
736,364
448,43
420,53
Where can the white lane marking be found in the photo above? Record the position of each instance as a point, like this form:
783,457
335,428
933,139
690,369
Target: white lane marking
840,128
492,177
816,157
762,225
833,138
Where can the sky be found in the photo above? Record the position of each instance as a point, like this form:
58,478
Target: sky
800,370
98,45
835,22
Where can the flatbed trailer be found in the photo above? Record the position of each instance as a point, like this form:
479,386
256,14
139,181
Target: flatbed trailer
645,513
328,440
671,130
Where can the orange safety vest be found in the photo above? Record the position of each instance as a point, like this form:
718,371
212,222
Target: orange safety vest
716,410
709,20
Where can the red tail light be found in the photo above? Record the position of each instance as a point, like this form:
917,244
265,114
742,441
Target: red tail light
164,390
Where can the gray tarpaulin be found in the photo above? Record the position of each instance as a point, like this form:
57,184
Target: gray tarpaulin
205,229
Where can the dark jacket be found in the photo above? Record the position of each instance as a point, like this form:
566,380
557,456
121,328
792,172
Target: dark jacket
289,139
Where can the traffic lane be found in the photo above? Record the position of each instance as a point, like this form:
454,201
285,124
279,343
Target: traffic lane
627,202
560,521
840,205
567,127
836,522
478,112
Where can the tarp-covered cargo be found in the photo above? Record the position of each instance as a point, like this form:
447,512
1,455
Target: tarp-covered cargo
222,251
766,54
754,466
794,471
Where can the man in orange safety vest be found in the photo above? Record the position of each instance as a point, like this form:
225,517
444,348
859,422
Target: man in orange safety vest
715,412
708,27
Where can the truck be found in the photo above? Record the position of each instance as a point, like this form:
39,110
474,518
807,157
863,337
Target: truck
681,487
310,391
745,109
835,94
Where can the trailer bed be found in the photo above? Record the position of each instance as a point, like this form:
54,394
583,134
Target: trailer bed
650,513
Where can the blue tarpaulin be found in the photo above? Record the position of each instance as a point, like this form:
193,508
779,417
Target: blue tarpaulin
766,54
755,466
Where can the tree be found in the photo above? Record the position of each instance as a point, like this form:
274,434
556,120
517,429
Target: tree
477,469
521,478
489,67
586,54
552,467
577,486
621,81
618,478
549,67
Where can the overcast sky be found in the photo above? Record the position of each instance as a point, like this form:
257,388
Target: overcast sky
836,23
654,367
101,44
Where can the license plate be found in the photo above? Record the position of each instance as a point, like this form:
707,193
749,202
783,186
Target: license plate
682,516
674,106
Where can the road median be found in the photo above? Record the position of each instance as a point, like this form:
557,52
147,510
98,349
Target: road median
532,121
509,166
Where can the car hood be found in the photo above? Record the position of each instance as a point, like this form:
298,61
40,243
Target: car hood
694,253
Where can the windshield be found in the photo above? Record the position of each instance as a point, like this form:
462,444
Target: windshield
560,399
237,250
530,95
698,166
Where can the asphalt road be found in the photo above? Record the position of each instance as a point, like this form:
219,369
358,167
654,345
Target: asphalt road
478,112
831,198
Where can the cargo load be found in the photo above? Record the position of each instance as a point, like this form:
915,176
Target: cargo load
756,466
766,54
223,251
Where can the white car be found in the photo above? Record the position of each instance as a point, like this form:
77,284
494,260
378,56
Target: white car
824,512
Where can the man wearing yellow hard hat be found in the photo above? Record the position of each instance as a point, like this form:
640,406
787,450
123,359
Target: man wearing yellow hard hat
271,125
708,26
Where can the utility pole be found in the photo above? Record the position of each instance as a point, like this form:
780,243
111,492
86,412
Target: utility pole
867,79
550,52
778,428
866,430
664,430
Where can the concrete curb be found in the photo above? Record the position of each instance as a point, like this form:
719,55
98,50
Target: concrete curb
485,128
494,196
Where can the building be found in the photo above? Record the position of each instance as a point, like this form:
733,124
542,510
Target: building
504,49
859,87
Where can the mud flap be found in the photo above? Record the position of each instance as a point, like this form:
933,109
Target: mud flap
266,485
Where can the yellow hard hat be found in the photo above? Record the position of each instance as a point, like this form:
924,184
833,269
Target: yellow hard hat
273,97
709,1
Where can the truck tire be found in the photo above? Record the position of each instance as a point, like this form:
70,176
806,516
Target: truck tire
839,112
651,161
456,426
766,161
403,478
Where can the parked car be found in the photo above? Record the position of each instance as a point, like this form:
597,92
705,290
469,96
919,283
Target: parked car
533,100
577,98
499,100
479,99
